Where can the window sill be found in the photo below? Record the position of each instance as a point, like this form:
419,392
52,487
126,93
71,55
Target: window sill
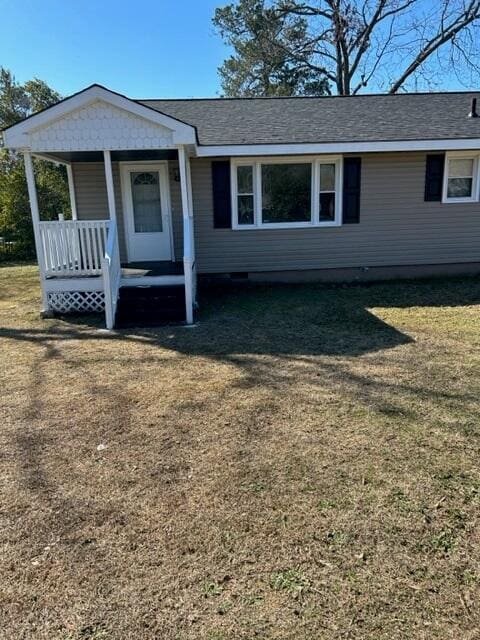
285,225
459,200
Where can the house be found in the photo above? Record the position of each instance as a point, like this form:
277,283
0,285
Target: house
272,188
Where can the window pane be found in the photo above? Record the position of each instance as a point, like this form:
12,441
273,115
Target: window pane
147,207
327,177
245,179
461,168
327,207
286,192
245,209
459,187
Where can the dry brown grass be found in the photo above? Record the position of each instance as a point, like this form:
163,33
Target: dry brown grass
303,464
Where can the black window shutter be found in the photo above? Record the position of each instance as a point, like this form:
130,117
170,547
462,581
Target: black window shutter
352,178
434,169
222,204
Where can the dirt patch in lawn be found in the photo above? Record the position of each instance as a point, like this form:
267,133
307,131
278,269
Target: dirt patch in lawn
302,464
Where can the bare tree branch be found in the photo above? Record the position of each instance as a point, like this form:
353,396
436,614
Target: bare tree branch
445,34
351,43
366,79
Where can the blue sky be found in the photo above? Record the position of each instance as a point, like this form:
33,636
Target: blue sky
143,48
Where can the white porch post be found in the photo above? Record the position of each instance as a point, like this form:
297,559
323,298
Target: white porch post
32,195
71,191
110,190
188,240
192,233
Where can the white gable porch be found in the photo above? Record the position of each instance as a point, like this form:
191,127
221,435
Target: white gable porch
80,260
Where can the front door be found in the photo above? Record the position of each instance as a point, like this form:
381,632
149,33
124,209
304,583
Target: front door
147,211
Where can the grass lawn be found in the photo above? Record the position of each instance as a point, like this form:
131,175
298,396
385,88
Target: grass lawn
304,464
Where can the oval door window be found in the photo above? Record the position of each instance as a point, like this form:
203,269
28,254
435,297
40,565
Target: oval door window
147,206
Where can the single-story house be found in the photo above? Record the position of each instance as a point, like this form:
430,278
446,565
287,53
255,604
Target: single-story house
261,188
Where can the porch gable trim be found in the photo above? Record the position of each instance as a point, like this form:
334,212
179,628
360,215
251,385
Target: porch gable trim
16,136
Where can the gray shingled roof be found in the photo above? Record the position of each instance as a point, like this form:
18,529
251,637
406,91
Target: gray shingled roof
365,118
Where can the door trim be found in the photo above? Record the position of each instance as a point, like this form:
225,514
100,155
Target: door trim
127,166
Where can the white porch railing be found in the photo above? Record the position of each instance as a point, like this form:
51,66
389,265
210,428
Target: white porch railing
112,271
73,247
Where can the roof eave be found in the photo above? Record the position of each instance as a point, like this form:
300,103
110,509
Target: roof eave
338,147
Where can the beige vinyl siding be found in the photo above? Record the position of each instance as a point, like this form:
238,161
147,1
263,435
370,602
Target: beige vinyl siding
92,202
396,227
176,206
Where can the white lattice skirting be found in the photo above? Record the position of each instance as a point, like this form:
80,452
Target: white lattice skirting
76,301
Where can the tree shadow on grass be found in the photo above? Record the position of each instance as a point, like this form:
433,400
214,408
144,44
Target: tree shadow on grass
287,320
238,323
284,320
259,329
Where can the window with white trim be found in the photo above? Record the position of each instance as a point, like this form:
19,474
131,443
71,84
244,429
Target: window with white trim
327,192
245,196
286,192
461,178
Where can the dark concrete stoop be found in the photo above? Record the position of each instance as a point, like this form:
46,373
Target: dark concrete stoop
150,306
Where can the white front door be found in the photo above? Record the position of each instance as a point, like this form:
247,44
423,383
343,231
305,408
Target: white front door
146,205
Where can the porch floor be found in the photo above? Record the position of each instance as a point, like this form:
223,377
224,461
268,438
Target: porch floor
151,269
